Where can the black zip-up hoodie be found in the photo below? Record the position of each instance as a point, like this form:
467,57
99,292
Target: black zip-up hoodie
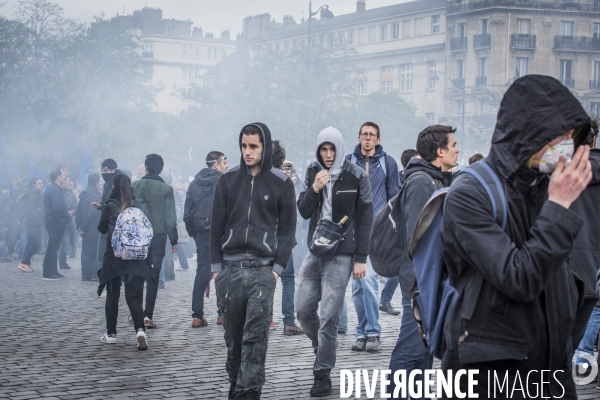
256,215
526,308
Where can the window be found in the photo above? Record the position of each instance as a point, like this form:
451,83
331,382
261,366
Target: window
566,28
406,28
594,109
596,73
185,50
383,32
435,23
387,69
351,38
395,30
458,107
148,47
387,86
372,34
483,26
429,117
524,26
342,38
461,30
460,69
362,87
480,107
596,30
432,74
418,26
566,70
362,72
362,35
522,67
482,66
405,77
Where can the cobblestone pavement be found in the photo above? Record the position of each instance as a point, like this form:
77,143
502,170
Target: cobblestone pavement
51,345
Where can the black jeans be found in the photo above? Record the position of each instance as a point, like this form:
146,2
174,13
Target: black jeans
202,274
55,234
245,297
89,247
34,239
158,244
134,295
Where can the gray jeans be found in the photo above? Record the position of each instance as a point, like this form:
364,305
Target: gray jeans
325,282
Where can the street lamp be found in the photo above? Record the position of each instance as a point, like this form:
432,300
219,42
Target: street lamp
312,14
456,84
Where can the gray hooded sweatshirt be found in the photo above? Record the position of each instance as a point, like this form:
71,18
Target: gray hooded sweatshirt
333,136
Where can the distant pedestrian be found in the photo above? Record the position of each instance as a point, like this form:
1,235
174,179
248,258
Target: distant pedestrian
32,220
67,245
475,157
109,169
87,219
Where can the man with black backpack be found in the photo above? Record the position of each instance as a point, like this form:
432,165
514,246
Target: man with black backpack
438,150
196,215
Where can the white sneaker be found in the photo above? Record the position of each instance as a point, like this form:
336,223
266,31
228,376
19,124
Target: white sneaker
142,340
109,339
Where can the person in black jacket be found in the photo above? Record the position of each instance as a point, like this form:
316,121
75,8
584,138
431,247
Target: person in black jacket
109,169
335,190
115,270
87,219
32,219
251,239
526,305
196,216
57,218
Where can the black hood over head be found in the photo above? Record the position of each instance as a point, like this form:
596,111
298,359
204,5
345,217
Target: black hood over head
534,110
267,155
207,176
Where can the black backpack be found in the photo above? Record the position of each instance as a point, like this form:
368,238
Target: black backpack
387,242
203,207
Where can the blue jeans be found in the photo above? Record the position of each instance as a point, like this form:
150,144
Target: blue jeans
409,352
388,290
366,303
202,274
161,276
181,256
288,289
589,338
65,246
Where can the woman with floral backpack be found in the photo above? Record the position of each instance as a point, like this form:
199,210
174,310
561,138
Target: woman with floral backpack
116,267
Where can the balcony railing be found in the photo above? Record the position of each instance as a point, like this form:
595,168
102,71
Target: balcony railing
458,44
482,41
523,41
568,82
582,5
594,84
148,54
577,43
481,80
459,83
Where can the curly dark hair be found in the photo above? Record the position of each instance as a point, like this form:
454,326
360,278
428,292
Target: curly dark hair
278,154
431,139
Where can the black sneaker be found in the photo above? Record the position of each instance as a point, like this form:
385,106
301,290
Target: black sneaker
373,344
53,277
322,385
386,307
232,391
66,266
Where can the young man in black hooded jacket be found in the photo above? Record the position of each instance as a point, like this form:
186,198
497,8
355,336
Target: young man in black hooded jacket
251,239
526,305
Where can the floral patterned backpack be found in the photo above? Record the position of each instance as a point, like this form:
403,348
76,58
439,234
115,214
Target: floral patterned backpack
132,235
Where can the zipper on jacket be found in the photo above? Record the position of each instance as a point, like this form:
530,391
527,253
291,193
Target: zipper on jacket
249,208
346,191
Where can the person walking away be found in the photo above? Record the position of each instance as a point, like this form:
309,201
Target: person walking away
66,246
109,170
197,217
87,219
183,236
251,239
160,201
337,191
115,270
32,220
56,217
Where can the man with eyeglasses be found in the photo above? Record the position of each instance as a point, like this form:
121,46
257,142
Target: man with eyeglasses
383,177
196,215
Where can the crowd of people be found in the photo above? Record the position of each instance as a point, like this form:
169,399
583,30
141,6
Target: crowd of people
534,282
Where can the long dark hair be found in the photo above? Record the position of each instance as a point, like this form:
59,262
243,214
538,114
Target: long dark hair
124,184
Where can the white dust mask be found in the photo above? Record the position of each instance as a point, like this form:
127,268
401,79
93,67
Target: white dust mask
549,160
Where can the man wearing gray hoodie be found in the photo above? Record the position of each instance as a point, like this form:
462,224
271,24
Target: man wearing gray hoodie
339,191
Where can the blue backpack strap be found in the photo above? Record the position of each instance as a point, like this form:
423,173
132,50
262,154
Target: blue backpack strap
353,159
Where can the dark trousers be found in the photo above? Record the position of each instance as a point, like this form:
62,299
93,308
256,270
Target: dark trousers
245,297
65,247
12,236
134,295
158,244
89,247
34,240
202,274
288,289
55,235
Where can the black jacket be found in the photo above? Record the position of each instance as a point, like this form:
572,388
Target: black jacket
205,178
414,196
526,309
87,216
254,215
111,265
55,206
351,197
32,210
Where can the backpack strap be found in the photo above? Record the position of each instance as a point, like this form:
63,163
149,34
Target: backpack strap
353,159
